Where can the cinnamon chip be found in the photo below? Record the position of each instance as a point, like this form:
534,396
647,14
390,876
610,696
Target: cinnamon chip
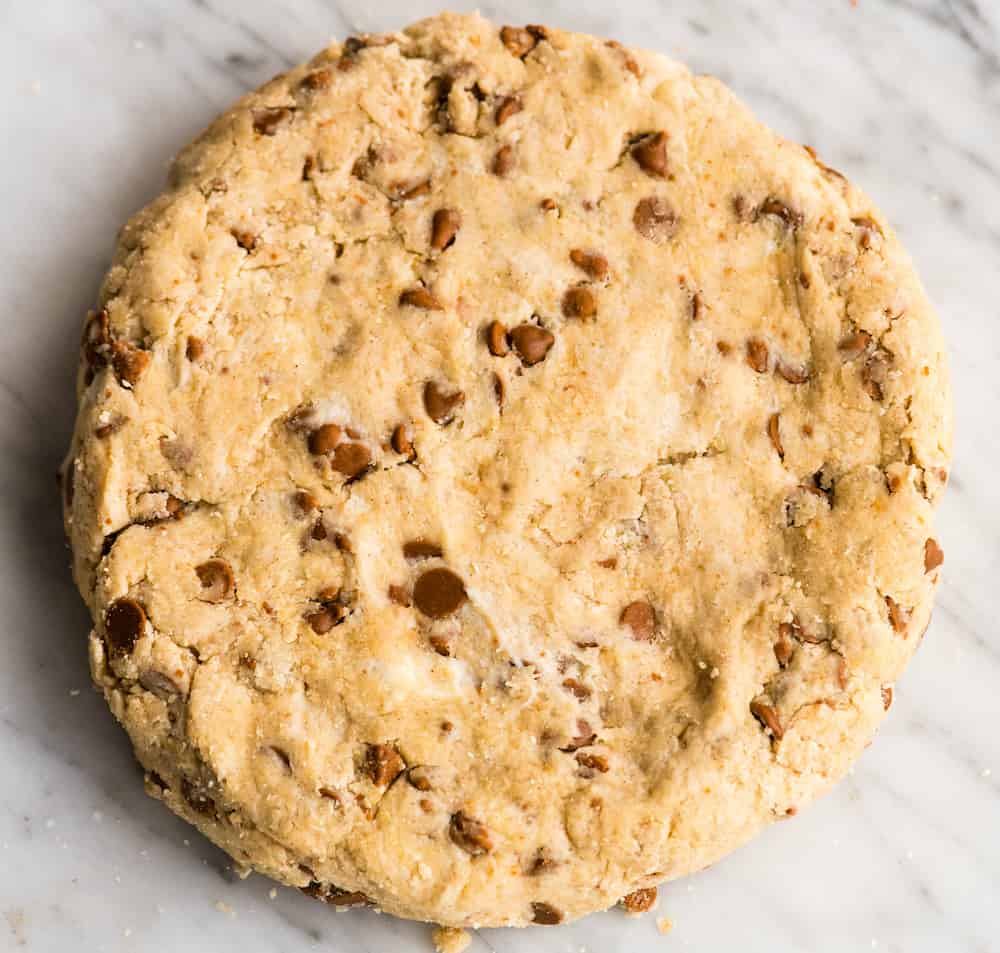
640,618
870,233
404,191
96,339
382,764
520,41
503,161
351,459
628,60
316,80
420,297
247,240
545,914
508,106
496,339
196,798
791,373
875,374
933,555
654,219
124,622
584,737
777,209
439,593
784,648
639,901
325,439
401,441
420,778
305,501
331,612
499,391
323,620
854,345
399,595
440,644
899,616
757,355
441,405
593,263
112,426
767,715
469,834
217,580
267,121
335,896
592,762
576,687
531,343
129,362
159,683
579,302
650,154
421,549
444,228
773,431
346,898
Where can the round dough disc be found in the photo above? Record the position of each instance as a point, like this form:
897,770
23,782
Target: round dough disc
504,474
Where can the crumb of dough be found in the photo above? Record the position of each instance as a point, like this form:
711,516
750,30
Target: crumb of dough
664,925
451,940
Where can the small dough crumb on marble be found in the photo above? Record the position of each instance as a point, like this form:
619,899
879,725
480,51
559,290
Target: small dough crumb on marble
451,940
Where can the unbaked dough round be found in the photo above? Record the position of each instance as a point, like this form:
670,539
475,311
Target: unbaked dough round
504,475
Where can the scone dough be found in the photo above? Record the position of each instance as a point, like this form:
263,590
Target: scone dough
504,475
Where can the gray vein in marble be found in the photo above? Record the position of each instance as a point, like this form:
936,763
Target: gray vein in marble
961,18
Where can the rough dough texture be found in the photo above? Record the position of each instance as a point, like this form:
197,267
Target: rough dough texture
504,475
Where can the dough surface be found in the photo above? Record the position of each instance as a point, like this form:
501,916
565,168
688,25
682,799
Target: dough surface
504,475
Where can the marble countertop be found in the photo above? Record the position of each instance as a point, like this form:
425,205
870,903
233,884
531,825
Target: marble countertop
95,95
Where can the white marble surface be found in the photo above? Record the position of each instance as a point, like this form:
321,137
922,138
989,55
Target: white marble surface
903,95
